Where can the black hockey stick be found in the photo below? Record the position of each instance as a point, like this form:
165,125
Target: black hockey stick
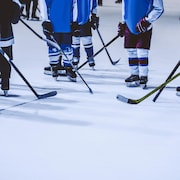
39,96
137,101
55,44
112,62
76,70
170,75
105,46
44,39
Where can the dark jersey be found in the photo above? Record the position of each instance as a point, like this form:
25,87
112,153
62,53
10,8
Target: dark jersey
9,13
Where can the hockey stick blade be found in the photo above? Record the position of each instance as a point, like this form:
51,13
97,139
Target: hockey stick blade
115,62
126,100
107,52
137,101
50,94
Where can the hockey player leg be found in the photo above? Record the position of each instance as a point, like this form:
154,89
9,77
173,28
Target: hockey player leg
67,57
143,66
88,46
76,50
5,70
133,79
55,69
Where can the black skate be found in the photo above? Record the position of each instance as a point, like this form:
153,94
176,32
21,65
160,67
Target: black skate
71,74
132,81
118,1
143,81
60,70
5,85
178,91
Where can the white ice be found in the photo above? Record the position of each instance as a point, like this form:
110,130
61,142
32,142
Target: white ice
76,135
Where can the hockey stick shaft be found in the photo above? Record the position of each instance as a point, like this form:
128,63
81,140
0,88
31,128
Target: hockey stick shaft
44,39
106,45
112,62
170,75
53,93
137,101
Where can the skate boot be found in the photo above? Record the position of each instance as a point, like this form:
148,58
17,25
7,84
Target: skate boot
60,70
91,62
35,18
5,85
143,82
132,81
71,74
178,91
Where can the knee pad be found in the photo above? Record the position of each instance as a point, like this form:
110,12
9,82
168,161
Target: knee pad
87,41
132,53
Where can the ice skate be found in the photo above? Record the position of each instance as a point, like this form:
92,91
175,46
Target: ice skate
143,82
132,81
91,62
178,91
71,74
60,70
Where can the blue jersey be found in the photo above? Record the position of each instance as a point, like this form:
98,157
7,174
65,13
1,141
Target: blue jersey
135,10
59,12
83,11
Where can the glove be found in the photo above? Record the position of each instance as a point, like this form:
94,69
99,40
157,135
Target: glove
75,29
121,29
142,25
47,28
94,21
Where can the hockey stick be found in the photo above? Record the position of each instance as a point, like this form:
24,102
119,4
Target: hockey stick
55,44
44,39
39,96
106,45
112,62
137,101
76,70
170,75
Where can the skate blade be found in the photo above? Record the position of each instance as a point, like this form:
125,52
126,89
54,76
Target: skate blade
133,84
71,79
178,93
93,68
60,73
5,93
